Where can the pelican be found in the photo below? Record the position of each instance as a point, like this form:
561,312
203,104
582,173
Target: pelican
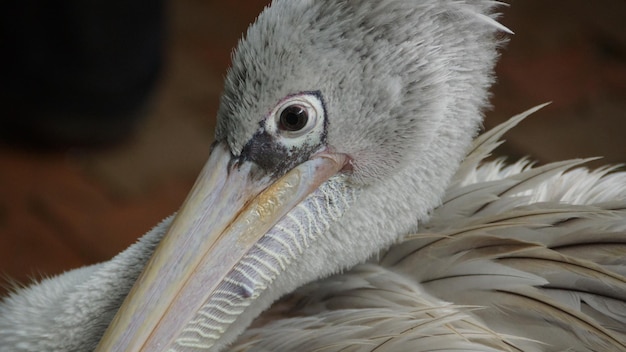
346,206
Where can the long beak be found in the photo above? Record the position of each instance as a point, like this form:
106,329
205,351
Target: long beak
228,210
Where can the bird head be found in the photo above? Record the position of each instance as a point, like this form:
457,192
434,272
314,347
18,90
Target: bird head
340,125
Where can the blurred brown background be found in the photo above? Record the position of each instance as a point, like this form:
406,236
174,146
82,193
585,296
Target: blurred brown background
66,208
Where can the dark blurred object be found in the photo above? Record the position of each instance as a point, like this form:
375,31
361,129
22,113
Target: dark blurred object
76,72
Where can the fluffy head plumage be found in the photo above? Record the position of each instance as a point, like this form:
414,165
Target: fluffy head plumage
395,74
404,84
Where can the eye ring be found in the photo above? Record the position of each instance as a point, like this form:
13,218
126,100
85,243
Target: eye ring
297,116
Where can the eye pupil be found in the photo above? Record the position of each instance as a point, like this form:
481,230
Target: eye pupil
293,118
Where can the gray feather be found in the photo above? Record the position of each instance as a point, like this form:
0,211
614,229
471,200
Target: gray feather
478,257
532,265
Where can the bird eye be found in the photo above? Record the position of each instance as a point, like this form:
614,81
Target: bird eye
293,118
299,115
